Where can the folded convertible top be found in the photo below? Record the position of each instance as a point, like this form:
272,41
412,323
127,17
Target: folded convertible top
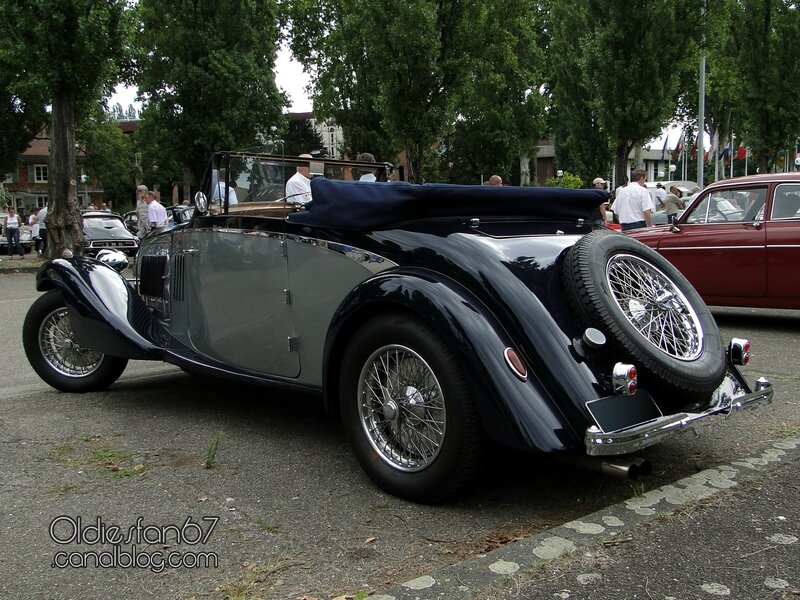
368,206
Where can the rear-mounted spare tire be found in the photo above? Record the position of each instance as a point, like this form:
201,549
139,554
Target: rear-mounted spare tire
650,313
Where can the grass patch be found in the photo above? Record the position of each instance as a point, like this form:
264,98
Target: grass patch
256,581
106,456
638,489
62,452
86,454
789,430
266,526
63,489
211,453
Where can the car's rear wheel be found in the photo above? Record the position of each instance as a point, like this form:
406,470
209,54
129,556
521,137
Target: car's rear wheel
56,357
408,411
650,312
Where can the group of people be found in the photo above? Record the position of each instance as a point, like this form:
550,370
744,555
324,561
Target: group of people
298,187
12,226
150,213
633,205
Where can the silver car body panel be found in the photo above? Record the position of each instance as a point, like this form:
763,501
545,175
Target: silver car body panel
261,321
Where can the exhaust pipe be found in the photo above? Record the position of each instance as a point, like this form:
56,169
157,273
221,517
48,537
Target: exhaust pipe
625,467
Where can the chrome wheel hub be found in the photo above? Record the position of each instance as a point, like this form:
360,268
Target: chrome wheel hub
60,350
655,306
401,406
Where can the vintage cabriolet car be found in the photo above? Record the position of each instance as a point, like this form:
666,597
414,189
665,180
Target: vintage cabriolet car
739,241
432,318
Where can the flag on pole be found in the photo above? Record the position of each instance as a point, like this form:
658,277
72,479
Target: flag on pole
679,148
666,147
741,152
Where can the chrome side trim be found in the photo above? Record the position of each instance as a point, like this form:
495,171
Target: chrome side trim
712,248
374,262
653,432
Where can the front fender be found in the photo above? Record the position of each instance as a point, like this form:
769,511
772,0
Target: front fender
106,314
512,412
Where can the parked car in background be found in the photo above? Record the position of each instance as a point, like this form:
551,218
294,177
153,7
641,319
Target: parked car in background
25,239
107,231
738,243
432,318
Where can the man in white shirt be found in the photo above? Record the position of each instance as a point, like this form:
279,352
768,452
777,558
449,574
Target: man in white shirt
366,174
634,205
661,194
298,188
219,194
156,214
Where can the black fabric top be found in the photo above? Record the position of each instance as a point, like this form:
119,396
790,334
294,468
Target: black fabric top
367,206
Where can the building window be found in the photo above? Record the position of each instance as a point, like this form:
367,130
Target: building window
40,201
40,173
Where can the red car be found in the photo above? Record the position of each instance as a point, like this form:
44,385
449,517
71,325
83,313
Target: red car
738,243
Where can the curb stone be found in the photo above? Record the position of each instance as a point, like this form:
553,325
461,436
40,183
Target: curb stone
493,568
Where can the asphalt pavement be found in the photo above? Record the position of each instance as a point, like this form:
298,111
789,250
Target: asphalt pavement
719,516
732,531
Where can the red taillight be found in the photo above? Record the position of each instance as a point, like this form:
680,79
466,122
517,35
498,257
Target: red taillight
739,351
625,378
515,363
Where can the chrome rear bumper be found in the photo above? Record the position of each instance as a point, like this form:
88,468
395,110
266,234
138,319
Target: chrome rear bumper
729,398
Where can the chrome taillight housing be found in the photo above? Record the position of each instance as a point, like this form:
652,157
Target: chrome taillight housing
625,378
514,361
739,351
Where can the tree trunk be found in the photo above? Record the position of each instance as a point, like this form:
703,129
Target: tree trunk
187,180
64,223
621,163
524,168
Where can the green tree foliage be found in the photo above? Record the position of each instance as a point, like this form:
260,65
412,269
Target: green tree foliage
567,180
65,53
109,158
338,50
629,57
396,72
582,145
22,114
302,138
206,79
501,117
770,75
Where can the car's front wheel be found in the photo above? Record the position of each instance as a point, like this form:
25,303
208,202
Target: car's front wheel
408,411
56,357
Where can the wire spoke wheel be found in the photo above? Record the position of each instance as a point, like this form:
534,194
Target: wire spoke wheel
654,305
48,338
402,408
651,316
61,351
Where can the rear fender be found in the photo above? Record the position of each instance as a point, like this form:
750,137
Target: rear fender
106,314
512,412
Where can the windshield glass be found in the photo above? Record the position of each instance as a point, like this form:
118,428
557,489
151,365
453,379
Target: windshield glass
102,222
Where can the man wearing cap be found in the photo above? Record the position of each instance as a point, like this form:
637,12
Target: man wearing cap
598,217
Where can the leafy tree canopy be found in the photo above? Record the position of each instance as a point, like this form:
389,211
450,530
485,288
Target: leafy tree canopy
205,74
65,54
